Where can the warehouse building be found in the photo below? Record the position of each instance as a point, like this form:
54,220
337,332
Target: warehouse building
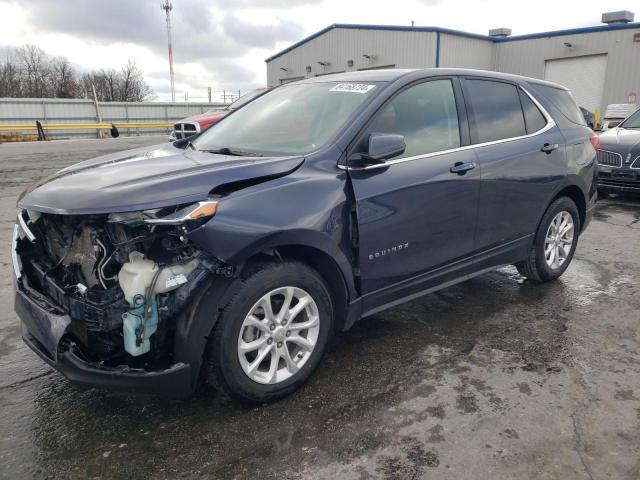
600,64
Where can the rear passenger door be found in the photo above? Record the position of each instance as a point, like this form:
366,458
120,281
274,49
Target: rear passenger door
521,155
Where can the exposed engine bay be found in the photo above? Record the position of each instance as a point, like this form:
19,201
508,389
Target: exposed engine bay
122,278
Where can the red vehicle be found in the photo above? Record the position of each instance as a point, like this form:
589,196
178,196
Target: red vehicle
190,126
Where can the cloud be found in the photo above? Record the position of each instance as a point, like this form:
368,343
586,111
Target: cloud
229,72
114,21
261,36
213,43
240,4
198,31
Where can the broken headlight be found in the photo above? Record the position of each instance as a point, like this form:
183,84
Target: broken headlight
196,213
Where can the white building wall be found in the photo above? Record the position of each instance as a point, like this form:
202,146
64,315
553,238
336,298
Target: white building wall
338,46
528,57
416,49
464,52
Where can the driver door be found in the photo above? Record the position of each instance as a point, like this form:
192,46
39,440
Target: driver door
416,217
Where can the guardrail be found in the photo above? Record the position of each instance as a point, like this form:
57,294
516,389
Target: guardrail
16,127
112,127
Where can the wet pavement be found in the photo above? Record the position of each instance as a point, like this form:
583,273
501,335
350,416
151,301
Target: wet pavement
493,378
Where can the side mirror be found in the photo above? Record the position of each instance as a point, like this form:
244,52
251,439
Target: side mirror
383,146
380,147
613,124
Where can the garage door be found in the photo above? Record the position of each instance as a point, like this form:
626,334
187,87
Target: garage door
584,76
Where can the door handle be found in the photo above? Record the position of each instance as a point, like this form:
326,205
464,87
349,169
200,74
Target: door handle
461,168
549,147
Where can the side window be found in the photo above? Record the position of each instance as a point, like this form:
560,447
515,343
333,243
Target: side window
496,110
425,115
533,117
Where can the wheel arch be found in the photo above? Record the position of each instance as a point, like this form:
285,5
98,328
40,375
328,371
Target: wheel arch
193,328
576,194
319,260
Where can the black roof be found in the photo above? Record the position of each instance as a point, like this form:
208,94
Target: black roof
388,75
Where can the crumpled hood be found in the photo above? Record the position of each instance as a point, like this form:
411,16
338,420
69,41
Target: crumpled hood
622,141
144,178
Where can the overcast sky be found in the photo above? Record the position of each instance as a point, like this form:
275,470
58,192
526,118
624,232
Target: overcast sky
223,43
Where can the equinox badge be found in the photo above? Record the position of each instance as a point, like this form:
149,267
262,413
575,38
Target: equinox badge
389,251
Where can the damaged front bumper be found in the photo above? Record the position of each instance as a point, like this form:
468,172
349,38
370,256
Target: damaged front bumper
43,331
45,327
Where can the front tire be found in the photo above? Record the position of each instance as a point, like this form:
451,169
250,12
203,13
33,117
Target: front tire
554,244
271,335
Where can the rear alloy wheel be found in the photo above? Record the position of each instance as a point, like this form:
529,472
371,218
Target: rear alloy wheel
554,244
274,345
559,240
271,334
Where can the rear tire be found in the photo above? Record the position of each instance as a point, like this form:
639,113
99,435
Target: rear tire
258,351
554,243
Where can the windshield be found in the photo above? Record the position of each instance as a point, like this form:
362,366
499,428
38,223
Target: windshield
633,121
293,119
246,98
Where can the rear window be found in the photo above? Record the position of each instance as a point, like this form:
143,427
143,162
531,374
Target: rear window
496,110
563,101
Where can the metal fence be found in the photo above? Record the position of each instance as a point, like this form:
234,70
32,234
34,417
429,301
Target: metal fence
21,111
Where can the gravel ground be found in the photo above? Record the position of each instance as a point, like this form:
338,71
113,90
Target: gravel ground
493,378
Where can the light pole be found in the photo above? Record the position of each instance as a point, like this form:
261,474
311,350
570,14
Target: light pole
167,7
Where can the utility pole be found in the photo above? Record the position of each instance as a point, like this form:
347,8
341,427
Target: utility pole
167,7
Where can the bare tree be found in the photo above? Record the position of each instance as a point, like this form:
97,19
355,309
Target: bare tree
63,79
36,71
111,84
29,72
133,88
9,75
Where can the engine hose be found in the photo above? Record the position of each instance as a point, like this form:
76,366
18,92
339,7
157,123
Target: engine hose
147,295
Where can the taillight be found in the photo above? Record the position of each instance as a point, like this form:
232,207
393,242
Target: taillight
595,141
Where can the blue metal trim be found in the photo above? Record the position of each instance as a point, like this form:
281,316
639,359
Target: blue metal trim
395,28
570,31
401,28
437,49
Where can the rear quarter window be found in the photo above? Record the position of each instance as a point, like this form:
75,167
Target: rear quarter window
563,101
533,117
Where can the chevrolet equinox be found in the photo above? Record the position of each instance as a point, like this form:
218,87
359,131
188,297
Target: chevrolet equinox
232,255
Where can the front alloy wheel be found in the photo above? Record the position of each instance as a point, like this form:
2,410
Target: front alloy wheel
271,333
278,335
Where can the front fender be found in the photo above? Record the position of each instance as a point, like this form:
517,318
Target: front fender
306,208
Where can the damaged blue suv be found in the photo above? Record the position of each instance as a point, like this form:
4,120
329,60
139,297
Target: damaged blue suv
231,256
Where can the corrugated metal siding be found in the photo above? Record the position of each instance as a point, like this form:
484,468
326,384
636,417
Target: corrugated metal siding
464,52
588,87
415,49
528,57
338,46
53,110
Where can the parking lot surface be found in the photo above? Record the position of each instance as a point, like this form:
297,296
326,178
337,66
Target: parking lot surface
493,378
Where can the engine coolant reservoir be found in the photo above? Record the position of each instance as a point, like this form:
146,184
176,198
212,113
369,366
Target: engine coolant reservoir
136,276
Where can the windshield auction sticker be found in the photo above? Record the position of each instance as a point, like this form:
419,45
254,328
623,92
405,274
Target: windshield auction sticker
352,87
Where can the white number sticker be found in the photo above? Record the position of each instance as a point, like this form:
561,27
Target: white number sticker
352,87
